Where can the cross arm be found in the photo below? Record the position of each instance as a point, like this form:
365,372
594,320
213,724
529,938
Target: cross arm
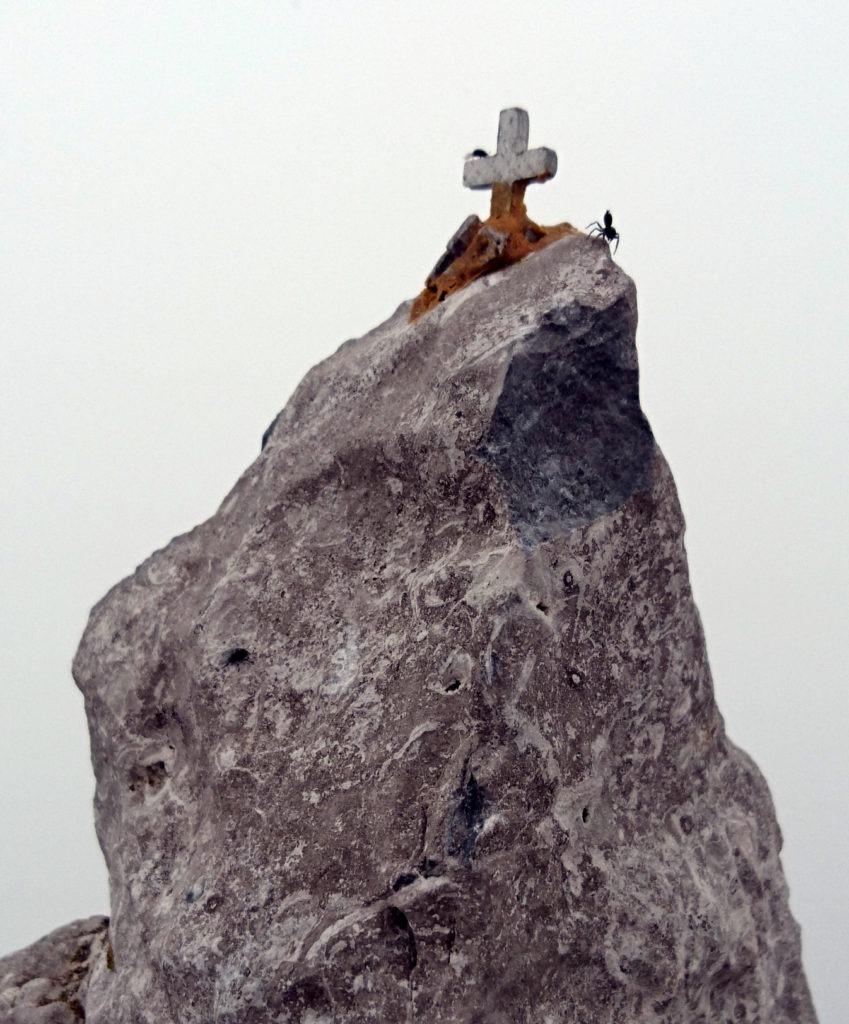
532,165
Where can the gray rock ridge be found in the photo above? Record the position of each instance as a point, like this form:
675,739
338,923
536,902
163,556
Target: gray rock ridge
45,983
419,726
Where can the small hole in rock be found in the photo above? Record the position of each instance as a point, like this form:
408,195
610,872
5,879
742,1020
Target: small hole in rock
397,918
404,879
569,584
430,867
151,776
585,814
543,607
212,904
236,655
452,686
398,922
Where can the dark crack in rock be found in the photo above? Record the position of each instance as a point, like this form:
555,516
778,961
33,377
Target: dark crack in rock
419,726
466,822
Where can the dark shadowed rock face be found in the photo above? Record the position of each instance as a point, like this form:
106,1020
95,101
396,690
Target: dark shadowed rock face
419,726
568,436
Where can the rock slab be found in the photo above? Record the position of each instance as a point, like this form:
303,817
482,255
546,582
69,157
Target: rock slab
46,982
419,726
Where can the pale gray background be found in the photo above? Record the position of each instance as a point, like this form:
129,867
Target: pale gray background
200,200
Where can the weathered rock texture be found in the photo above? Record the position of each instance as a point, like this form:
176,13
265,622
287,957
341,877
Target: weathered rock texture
419,726
46,982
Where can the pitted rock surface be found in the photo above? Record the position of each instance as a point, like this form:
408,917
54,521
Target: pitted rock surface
46,982
419,726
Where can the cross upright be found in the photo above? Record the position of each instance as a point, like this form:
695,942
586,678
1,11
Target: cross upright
512,167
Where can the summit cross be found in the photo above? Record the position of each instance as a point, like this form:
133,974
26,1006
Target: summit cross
512,167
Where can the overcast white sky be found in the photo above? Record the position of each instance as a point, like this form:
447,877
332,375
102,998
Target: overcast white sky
201,200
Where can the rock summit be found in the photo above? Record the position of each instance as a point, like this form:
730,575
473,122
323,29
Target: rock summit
419,726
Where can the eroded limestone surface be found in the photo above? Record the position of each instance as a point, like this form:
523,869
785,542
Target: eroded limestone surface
46,982
419,725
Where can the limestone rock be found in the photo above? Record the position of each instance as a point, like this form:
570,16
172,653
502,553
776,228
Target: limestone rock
46,982
457,245
419,726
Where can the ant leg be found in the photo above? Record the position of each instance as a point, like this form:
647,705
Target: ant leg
595,225
617,244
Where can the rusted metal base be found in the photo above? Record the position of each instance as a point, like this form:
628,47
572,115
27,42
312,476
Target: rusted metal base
505,237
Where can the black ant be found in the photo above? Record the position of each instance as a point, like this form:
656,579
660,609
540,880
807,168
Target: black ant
606,231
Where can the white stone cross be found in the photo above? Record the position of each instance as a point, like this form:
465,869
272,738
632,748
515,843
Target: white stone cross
514,165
